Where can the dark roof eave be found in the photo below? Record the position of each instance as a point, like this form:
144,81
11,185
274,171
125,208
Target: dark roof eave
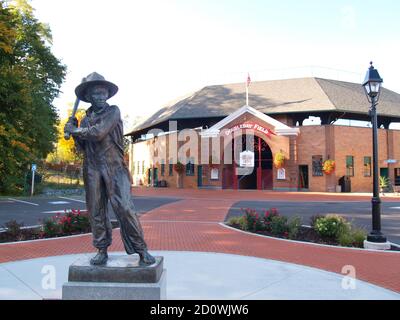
268,113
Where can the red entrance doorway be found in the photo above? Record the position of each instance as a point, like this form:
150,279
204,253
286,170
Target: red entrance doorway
260,176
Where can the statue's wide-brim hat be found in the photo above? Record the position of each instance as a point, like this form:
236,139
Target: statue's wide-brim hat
92,80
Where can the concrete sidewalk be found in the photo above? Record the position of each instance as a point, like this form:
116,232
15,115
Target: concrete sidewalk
202,276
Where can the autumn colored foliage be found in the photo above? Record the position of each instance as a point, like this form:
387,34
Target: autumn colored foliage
30,79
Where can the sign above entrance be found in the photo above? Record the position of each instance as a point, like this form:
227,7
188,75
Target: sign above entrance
247,159
251,126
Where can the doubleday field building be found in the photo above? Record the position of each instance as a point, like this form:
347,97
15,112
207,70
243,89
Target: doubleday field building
210,140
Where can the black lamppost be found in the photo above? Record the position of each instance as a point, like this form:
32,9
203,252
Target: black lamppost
372,86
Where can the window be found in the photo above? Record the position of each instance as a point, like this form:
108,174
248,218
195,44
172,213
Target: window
134,168
367,166
190,167
162,168
397,177
142,167
350,166
317,166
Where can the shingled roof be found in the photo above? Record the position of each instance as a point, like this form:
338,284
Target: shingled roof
276,97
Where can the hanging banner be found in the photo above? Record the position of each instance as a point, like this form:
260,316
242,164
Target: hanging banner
251,126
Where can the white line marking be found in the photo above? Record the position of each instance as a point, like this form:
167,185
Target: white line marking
58,202
31,203
73,199
55,211
395,208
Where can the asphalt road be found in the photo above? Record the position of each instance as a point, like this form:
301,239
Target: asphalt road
30,211
357,212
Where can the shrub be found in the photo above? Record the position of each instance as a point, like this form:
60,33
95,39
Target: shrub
294,225
71,222
251,220
331,226
14,229
359,235
266,220
314,219
235,221
345,239
352,237
279,225
51,228
74,221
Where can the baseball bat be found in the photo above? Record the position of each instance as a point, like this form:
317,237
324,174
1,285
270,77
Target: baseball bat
67,135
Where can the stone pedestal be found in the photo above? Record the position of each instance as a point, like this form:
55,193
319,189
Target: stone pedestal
122,278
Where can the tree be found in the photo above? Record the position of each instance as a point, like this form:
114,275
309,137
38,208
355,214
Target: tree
65,150
30,79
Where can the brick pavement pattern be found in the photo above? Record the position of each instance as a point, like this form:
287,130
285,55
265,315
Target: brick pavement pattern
192,224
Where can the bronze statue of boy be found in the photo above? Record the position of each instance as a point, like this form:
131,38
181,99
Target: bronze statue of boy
106,177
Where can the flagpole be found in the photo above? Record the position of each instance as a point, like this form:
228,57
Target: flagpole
247,88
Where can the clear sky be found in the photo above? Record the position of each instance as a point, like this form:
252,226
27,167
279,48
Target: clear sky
159,50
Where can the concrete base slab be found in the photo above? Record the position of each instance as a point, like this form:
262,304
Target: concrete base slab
377,245
116,291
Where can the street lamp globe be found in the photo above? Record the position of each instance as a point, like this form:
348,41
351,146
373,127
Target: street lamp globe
372,84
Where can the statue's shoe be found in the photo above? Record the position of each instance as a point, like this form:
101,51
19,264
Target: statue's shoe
146,258
100,259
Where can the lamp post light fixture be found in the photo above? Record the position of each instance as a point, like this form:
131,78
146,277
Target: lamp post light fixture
372,86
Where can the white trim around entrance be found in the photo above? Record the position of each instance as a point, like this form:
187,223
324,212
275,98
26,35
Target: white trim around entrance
280,128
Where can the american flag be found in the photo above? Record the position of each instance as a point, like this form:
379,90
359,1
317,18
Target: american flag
248,80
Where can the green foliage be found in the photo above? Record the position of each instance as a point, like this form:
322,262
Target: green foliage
51,228
294,225
352,237
251,220
359,235
314,219
267,218
345,239
331,226
279,226
30,79
235,221
383,182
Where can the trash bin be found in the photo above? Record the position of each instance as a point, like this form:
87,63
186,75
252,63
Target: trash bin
345,183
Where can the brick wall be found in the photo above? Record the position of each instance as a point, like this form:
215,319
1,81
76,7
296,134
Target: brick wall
334,142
